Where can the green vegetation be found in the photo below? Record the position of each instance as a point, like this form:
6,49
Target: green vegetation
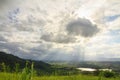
28,73
10,76
14,68
108,74
8,62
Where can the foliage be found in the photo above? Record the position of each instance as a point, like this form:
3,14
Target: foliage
28,73
11,63
108,74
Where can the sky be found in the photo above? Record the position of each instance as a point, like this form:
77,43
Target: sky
60,30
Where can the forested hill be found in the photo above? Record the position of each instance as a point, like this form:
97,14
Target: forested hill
10,60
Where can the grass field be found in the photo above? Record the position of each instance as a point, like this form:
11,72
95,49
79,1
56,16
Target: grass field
29,74
13,76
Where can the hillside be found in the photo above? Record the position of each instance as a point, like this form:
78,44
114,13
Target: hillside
10,60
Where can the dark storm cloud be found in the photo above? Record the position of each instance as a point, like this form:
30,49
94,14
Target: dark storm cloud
58,38
82,27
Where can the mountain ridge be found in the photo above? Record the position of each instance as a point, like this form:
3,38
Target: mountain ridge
11,60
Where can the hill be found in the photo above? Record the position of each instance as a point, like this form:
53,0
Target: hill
10,60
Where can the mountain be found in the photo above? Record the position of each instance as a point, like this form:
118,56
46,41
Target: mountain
10,60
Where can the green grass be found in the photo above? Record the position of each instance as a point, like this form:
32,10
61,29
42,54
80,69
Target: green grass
28,74
14,76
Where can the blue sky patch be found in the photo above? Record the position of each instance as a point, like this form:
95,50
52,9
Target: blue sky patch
116,36
111,18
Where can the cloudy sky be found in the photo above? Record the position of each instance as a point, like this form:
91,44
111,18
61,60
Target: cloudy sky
60,29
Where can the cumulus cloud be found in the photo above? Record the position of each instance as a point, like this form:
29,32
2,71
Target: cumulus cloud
53,29
82,27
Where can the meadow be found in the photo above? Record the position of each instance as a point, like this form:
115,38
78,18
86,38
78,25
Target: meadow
29,74
13,76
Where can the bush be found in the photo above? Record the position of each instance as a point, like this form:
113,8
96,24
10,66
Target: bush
109,74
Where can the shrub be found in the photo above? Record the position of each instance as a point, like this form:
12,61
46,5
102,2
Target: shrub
3,67
109,74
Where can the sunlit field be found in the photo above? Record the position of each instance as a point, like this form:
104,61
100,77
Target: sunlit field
29,74
9,76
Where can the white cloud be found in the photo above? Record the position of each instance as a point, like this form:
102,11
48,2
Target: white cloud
23,25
